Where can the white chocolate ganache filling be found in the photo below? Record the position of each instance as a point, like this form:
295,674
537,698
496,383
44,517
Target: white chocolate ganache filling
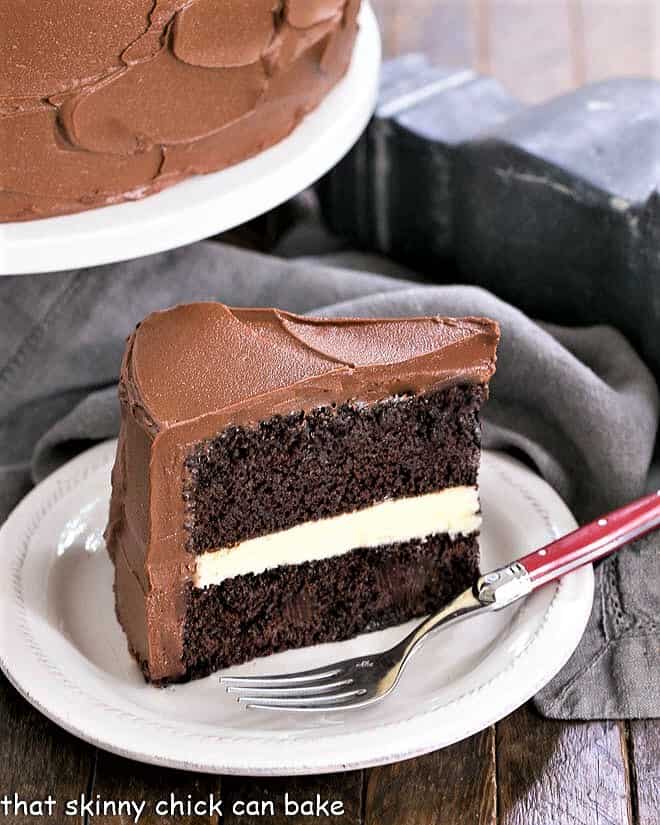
454,510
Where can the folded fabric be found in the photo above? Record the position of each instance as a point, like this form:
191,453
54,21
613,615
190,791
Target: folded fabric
578,404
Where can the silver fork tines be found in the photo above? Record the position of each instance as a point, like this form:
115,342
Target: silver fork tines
285,679
349,684
318,702
302,690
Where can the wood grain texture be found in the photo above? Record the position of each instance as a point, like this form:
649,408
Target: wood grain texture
620,38
644,749
530,47
454,786
345,788
577,41
38,758
481,23
536,48
442,29
564,773
116,779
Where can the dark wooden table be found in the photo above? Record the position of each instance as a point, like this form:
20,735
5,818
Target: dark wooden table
525,770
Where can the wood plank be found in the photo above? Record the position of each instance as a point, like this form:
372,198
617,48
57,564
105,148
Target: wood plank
655,28
117,779
620,38
454,786
537,48
644,749
345,789
561,773
530,46
389,19
577,46
482,35
38,759
441,29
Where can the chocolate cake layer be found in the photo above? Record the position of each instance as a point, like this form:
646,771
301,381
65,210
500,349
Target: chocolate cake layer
113,100
203,378
324,601
307,466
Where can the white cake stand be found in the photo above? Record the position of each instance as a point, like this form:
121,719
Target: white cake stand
207,204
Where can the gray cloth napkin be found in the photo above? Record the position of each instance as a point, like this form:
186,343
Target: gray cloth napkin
578,404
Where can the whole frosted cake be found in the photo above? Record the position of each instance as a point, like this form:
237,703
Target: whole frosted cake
282,481
110,100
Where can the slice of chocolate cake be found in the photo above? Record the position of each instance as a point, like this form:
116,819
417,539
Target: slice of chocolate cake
282,481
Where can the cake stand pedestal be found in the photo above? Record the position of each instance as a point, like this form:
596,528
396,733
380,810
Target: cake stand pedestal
207,204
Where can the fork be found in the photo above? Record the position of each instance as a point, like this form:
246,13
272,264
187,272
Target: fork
363,680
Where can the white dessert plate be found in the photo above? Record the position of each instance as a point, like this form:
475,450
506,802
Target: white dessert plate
62,648
205,205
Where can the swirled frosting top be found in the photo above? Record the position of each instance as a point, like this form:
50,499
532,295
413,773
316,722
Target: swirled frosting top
241,365
104,101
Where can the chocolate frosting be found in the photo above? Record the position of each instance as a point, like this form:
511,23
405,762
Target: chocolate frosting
224,33
191,371
108,102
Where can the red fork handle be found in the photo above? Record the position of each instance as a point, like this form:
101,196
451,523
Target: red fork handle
593,541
